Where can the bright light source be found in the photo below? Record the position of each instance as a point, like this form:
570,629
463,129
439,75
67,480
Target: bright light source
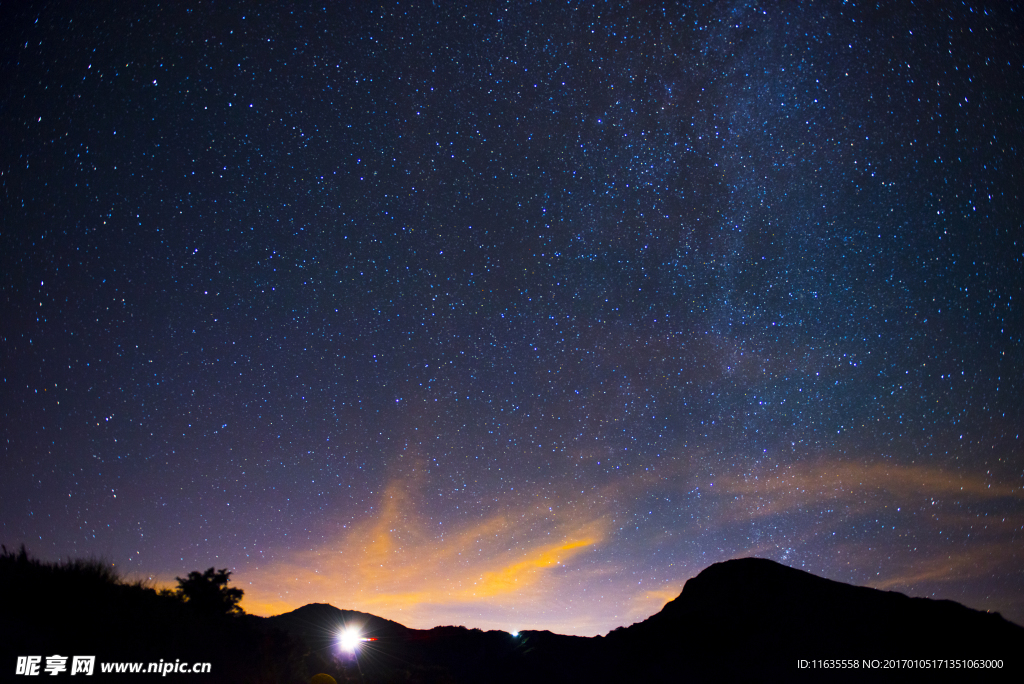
516,633
349,640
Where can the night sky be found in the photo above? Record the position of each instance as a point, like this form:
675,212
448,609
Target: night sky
514,315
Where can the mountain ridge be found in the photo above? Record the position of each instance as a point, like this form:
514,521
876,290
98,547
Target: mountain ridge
742,619
748,617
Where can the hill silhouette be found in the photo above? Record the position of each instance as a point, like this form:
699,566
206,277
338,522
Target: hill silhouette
745,619
755,617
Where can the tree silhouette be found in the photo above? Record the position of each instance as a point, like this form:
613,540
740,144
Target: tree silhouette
209,593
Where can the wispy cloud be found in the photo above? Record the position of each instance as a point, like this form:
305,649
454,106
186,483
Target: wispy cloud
857,486
396,563
523,564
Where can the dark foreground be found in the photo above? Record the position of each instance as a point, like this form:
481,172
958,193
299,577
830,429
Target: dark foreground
747,619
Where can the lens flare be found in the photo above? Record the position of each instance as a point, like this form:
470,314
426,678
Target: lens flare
349,640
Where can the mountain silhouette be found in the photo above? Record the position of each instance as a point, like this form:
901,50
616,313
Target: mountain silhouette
746,619
753,617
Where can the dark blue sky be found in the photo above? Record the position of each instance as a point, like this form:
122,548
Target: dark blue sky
515,314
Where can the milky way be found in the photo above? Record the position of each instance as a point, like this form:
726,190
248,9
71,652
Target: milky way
515,315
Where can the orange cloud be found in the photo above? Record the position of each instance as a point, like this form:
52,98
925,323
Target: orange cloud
506,579
395,563
521,564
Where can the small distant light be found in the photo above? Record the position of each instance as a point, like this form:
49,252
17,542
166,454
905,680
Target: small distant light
516,633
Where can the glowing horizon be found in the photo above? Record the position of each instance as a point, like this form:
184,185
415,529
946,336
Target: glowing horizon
557,577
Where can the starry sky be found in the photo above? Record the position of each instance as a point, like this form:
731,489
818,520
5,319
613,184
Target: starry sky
514,314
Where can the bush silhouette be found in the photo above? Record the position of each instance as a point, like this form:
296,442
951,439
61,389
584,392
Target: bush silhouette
208,592
85,607
85,572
